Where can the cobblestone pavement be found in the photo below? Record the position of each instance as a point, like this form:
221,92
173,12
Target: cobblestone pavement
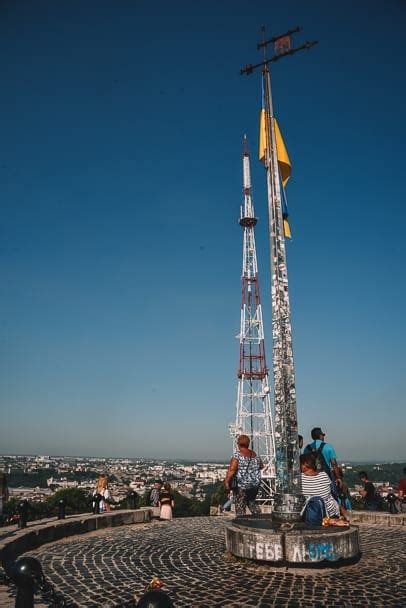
108,568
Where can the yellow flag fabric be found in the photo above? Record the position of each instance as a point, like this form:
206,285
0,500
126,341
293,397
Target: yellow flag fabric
285,166
262,136
286,229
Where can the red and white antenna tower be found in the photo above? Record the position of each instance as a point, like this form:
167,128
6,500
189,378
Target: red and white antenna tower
253,408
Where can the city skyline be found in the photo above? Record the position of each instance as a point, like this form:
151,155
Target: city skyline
120,168
122,457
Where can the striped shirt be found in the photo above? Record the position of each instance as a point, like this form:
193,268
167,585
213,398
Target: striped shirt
320,485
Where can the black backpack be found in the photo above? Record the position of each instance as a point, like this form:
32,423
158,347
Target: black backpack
320,461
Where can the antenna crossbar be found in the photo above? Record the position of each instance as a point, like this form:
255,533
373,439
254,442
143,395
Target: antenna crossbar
249,68
276,38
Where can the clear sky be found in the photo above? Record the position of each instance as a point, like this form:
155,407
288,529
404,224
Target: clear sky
120,168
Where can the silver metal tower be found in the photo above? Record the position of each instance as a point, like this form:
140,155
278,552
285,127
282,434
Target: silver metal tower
288,498
288,489
253,407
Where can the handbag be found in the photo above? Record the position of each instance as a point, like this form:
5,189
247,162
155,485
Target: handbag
234,485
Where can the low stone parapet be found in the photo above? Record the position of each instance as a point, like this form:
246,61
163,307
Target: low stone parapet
378,517
14,542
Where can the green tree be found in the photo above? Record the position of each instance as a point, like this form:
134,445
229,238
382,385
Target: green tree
34,479
9,508
186,507
76,501
143,501
36,510
127,502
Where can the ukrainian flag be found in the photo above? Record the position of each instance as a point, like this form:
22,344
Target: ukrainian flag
284,164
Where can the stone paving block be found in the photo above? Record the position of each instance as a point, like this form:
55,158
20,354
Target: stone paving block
398,520
189,557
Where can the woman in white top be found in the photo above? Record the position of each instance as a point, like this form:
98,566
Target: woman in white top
102,490
317,483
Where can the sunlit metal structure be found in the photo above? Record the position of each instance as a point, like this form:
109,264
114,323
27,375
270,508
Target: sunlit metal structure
288,497
253,407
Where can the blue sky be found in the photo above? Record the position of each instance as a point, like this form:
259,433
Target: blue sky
120,170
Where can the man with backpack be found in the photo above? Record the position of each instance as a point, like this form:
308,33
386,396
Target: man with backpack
324,455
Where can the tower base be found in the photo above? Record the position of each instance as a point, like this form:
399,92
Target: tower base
288,507
297,544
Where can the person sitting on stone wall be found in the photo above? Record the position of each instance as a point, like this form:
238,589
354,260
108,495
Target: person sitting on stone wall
229,502
101,495
246,466
316,487
344,496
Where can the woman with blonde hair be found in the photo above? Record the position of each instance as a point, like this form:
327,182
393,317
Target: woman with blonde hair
166,502
101,495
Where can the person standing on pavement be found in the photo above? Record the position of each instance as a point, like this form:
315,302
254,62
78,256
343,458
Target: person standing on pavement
3,491
166,502
402,492
246,466
155,492
368,493
392,500
326,451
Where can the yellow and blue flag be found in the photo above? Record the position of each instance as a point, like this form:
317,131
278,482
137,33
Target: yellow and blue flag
284,164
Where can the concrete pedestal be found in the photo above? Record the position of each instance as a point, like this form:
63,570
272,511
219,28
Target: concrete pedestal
259,538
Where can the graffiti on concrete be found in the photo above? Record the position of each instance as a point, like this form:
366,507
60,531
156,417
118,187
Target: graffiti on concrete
312,552
271,552
279,548
320,551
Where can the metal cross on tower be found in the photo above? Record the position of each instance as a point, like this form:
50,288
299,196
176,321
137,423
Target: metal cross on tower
253,408
288,498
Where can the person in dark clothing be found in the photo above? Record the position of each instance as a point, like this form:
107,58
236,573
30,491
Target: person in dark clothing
368,493
392,500
154,495
4,494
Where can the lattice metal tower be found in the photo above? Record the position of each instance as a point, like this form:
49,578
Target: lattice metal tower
253,408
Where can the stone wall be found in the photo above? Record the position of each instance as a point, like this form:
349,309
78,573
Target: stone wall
17,541
14,542
377,517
